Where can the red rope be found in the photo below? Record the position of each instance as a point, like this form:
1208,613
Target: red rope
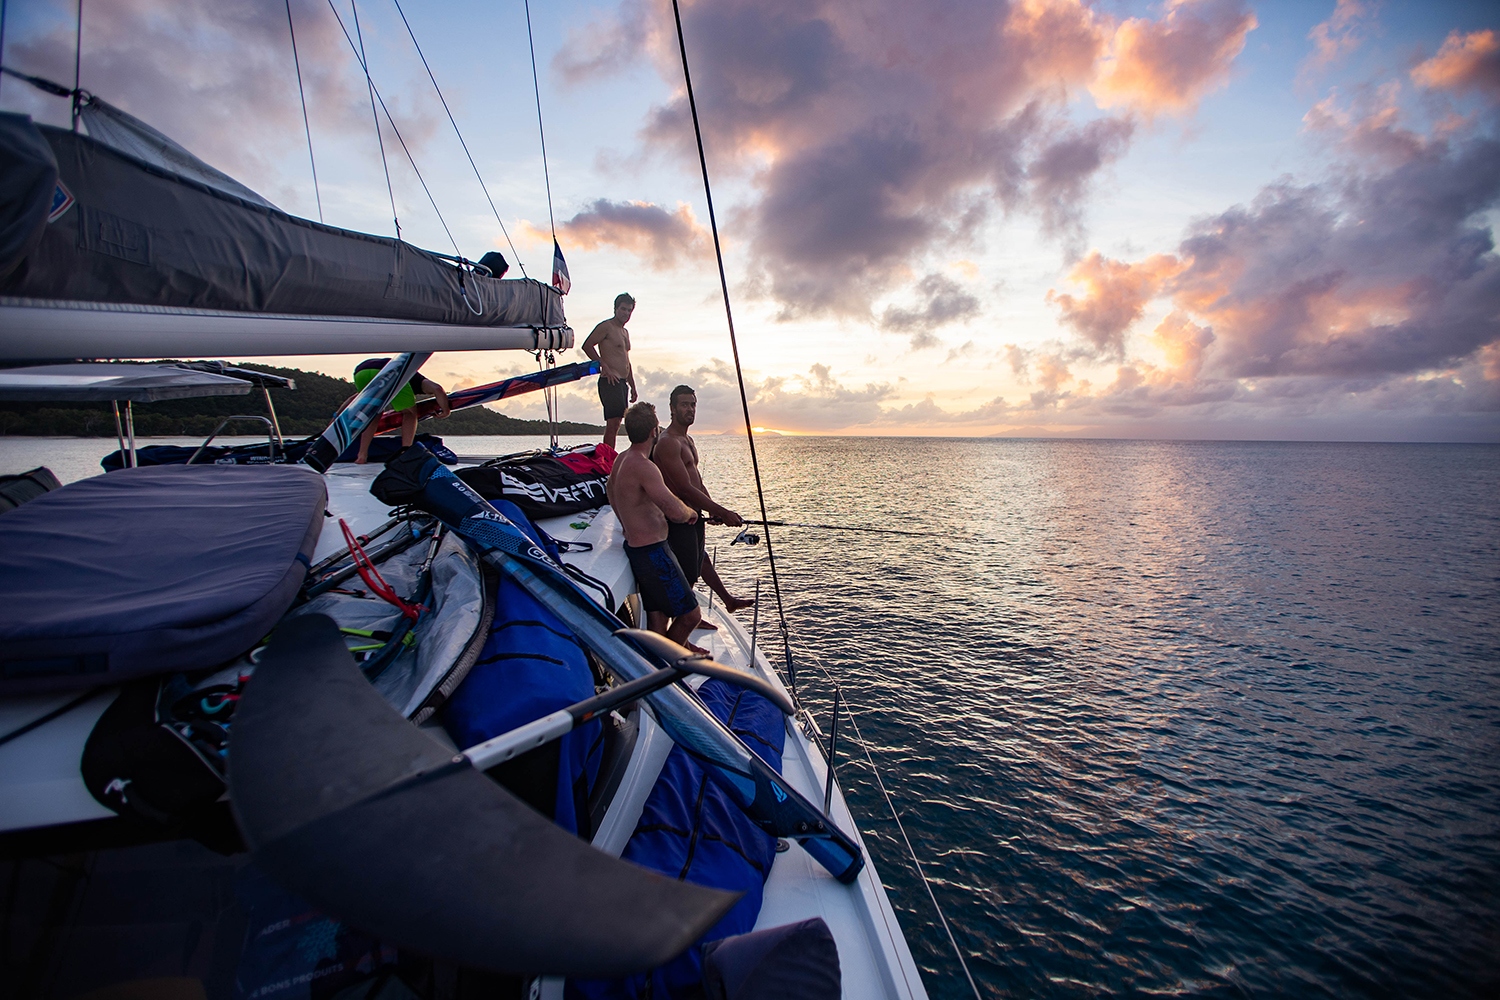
373,579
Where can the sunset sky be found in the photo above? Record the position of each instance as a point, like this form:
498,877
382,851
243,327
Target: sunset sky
1210,219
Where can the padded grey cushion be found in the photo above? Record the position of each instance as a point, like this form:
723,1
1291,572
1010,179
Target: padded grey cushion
152,570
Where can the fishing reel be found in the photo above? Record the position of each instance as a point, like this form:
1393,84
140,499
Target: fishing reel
747,536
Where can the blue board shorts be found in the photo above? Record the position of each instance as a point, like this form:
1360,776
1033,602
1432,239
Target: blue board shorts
659,577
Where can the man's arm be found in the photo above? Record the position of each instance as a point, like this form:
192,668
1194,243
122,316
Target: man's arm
591,349
436,392
668,458
656,490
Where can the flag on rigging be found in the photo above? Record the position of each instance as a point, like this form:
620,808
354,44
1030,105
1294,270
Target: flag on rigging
560,279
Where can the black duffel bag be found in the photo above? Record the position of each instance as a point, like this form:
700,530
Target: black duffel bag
542,486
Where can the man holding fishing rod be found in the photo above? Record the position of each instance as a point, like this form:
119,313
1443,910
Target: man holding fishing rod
676,455
644,505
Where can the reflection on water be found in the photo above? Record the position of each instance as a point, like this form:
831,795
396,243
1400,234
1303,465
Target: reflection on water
1186,718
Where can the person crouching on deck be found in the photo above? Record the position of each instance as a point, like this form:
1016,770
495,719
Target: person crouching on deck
643,504
405,402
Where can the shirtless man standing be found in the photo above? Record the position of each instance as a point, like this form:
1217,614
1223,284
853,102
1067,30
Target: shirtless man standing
643,504
609,345
676,455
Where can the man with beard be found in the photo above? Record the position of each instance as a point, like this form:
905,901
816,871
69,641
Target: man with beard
676,455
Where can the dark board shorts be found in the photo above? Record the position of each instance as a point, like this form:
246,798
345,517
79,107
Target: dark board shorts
686,541
663,587
614,396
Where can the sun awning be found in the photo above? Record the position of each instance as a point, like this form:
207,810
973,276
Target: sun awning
102,383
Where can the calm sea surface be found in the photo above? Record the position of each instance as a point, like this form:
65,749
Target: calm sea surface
1204,719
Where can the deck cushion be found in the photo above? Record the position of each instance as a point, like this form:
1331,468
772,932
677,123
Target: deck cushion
151,570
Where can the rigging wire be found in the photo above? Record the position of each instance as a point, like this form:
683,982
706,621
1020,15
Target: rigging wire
4,6
303,94
895,815
536,88
513,251
739,374
77,64
760,494
375,93
373,113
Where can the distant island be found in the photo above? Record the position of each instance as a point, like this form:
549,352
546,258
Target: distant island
303,411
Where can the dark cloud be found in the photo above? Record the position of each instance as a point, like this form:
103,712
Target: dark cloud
879,133
1384,274
649,231
945,302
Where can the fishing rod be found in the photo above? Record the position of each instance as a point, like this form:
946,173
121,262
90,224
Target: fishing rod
842,527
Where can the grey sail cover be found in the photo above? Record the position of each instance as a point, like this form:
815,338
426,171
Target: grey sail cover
130,135
123,231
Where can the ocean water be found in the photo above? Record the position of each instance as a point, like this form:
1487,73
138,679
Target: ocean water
1197,719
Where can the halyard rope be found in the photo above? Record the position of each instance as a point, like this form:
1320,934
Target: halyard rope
739,374
303,94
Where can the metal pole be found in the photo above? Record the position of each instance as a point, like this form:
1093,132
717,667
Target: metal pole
130,429
119,432
275,424
833,746
754,622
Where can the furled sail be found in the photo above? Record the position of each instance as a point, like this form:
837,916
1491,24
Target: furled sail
136,260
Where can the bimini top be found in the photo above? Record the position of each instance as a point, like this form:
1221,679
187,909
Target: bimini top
103,254
98,383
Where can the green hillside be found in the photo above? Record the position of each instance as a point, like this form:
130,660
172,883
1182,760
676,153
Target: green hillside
303,411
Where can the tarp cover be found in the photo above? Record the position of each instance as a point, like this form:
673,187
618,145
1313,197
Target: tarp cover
28,177
98,382
142,235
151,570
690,830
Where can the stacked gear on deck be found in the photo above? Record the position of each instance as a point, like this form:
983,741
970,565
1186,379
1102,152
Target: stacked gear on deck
544,485
531,666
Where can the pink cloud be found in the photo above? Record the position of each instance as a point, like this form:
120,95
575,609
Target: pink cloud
1338,36
1167,66
1114,298
1464,63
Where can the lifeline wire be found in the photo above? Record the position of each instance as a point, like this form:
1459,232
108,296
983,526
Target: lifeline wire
374,115
77,63
301,93
513,251
910,851
537,89
734,346
375,93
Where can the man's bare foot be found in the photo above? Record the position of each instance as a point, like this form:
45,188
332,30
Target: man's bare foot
362,461
693,647
705,626
738,603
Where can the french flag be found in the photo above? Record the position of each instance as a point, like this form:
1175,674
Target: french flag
560,279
